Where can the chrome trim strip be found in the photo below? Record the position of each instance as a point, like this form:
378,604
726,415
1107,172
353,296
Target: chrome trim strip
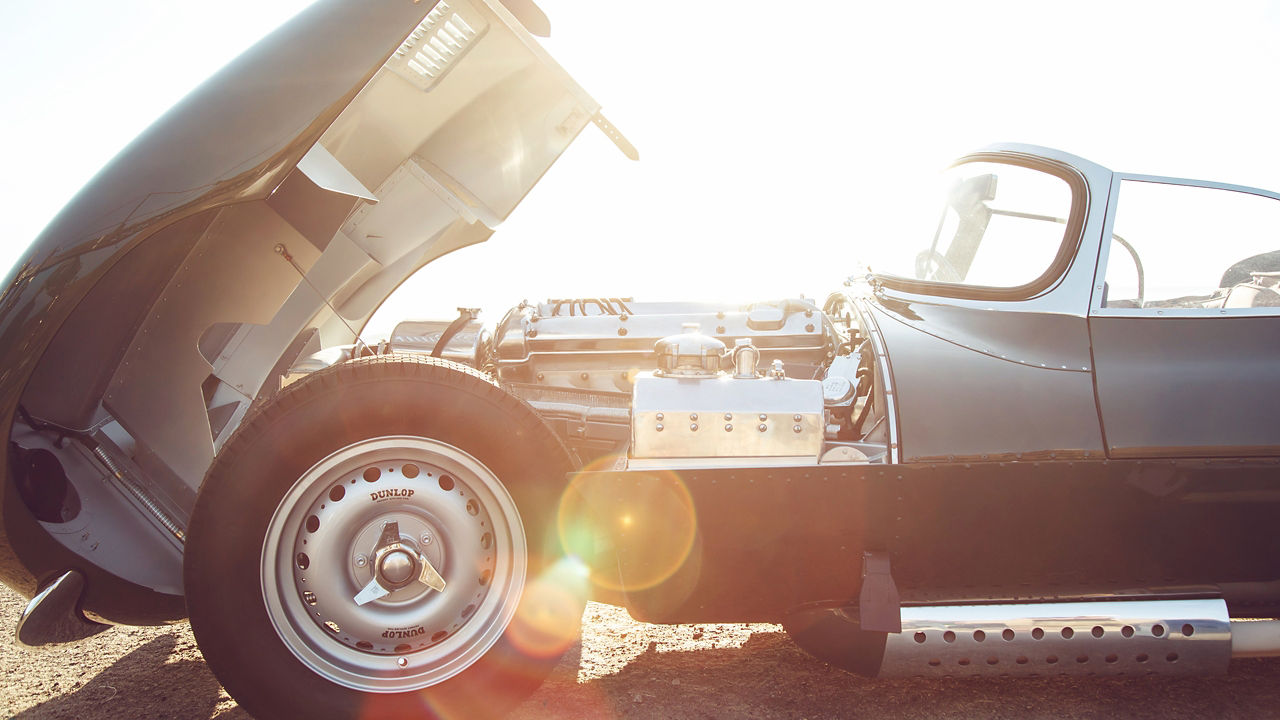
886,375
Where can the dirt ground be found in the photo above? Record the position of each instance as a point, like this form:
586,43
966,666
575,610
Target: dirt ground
624,669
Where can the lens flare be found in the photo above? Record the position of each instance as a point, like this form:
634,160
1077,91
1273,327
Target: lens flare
633,531
550,613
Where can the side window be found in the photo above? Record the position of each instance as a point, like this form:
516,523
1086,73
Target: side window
1184,246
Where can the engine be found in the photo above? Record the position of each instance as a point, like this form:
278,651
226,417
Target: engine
674,383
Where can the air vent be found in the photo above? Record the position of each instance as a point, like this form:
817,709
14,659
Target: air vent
436,45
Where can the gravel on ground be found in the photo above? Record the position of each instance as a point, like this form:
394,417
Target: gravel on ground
627,670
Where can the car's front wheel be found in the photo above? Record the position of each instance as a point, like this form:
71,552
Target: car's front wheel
377,543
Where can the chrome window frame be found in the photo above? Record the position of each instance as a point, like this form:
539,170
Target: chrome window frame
1074,231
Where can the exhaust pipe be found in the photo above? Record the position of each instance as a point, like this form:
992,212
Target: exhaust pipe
1120,637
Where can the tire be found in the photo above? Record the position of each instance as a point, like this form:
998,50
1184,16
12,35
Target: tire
286,531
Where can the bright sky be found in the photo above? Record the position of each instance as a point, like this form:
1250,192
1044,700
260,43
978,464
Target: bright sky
776,139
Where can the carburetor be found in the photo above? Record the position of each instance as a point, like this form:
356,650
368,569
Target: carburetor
692,408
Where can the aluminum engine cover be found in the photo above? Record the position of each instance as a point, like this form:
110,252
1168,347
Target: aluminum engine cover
470,346
726,417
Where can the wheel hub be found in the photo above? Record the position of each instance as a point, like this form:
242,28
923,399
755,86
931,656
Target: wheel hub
393,564
397,569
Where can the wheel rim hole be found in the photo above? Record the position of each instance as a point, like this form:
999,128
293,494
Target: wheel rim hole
446,483
1037,633
372,474
919,637
468,610
410,471
1007,634
337,493
1157,630
1098,631
486,541
484,580
1127,631
473,508
1068,633
303,561
1188,630
365,645
439,635
403,648
979,636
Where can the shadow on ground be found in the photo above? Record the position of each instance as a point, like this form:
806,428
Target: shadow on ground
146,683
769,677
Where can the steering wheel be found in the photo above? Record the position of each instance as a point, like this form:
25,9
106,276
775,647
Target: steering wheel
933,265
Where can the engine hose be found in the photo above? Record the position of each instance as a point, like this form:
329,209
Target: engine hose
465,315
866,408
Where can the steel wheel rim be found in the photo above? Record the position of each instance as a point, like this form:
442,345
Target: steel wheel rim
414,637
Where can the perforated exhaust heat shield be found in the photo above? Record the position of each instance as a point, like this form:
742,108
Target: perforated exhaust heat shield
1124,637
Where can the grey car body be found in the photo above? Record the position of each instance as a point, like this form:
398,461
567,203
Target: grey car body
915,442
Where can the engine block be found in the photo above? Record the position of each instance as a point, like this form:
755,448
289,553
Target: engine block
602,344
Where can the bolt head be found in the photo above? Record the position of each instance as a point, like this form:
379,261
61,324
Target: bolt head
658,427
425,538
796,428
728,416
763,417
402,662
693,416
728,427
797,418
693,427
361,561
762,427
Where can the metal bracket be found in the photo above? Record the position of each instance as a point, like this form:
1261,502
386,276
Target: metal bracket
616,136
879,605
